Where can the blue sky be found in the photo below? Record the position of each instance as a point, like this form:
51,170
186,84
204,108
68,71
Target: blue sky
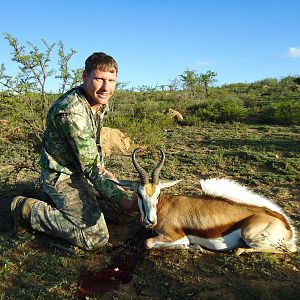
154,41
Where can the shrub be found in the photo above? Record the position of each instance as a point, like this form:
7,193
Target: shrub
146,109
283,112
191,120
224,110
142,131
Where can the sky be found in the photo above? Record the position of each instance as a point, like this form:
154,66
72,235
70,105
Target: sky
154,41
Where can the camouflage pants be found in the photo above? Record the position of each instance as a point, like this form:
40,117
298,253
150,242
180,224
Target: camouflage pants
78,215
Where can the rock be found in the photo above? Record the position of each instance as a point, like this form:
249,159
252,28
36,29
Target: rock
114,141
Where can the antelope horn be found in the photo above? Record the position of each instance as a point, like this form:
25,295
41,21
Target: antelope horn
156,171
143,174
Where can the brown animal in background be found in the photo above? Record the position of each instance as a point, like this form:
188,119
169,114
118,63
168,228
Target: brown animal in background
3,123
175,114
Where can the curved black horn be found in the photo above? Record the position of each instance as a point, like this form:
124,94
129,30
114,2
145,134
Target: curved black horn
143,174
156,171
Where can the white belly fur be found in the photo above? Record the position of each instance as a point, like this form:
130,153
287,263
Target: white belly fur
228,242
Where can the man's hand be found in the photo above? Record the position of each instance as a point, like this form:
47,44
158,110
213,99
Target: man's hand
127,203
110,175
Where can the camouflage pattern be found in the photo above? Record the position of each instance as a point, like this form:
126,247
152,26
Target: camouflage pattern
73,175
70,142
76,217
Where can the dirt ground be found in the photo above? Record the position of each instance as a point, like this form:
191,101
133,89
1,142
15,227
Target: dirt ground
264,158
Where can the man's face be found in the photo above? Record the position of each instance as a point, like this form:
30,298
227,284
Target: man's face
99,86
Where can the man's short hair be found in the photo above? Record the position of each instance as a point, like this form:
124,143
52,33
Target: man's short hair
102,61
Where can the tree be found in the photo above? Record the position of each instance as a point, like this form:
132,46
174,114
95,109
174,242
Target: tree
173,85
121,85
69,78
207,79
29,100
190,80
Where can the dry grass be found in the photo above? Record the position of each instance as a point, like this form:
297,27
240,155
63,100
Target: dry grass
265,158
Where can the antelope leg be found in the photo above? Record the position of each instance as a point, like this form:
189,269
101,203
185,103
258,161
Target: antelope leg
163,241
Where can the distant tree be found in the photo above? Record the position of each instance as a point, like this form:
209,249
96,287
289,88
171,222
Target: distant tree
162,87
174,85
121,85
190,80
146,89
207,79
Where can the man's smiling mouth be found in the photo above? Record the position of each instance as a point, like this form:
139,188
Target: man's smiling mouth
103,95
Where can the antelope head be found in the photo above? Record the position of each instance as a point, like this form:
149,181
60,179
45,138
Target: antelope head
148,189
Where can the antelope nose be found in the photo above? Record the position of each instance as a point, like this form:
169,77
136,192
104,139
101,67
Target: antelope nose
150,223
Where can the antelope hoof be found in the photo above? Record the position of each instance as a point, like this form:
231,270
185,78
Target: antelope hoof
239,251
148,244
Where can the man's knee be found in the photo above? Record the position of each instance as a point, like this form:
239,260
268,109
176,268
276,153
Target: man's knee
96,236
95,241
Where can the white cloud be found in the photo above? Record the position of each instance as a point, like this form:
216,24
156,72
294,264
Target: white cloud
294,52
201,63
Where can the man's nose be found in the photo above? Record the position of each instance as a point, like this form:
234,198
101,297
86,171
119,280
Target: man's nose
105,85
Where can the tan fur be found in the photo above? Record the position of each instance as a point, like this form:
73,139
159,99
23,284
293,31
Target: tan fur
3,123
226,217
213,217
150,189
175,114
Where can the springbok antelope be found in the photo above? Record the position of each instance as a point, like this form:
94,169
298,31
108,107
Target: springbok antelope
227,216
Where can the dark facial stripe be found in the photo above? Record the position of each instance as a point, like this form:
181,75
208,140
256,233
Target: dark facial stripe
142,199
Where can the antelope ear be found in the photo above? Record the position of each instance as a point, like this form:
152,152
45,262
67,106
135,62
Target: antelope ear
168,183
129,184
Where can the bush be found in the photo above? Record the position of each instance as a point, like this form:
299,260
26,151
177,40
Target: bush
224,110
147,109
282,113
191,120
142,131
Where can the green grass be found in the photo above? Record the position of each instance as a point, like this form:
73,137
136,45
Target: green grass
265,158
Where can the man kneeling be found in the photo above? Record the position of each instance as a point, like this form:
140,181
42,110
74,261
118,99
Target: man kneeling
73,173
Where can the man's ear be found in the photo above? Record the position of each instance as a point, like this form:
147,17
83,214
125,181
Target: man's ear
129,184
84,75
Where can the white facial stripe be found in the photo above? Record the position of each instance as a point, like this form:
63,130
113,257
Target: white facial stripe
147,204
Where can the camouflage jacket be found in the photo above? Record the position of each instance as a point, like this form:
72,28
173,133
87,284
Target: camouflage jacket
70,140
